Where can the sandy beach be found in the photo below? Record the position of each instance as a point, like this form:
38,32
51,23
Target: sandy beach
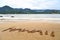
47,29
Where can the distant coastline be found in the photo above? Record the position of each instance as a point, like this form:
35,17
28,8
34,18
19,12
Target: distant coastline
9,10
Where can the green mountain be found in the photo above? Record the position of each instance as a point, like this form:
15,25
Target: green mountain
9,10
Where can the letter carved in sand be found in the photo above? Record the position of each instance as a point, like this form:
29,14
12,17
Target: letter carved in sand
29,31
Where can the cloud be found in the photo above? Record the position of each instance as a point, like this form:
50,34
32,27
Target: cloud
33,4
43,4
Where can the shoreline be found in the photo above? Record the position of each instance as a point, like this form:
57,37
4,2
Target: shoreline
49,21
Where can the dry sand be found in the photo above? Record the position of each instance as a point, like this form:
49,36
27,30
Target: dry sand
30,25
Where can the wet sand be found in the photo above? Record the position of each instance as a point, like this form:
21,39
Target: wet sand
46,30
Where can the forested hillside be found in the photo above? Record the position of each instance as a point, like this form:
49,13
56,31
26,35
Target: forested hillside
10,10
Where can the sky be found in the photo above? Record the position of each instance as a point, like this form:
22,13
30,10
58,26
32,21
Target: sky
32,4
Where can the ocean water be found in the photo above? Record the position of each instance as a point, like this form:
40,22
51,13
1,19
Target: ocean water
31,16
